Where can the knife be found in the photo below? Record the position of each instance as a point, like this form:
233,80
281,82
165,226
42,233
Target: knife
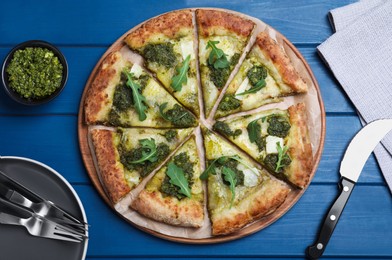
355,157
32,196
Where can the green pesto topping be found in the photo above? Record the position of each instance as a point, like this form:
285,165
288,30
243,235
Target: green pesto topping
161,53
178,115
170,135
255,74
271,162
229,102
183,166
254,134
278,125
128,158
35,72
220,75
122,98
224,129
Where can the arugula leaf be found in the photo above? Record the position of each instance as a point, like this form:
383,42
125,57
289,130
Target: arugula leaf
259,85
231,177
149,152
181,77
222,160
217,57
253,130
138,99
282,153
177,178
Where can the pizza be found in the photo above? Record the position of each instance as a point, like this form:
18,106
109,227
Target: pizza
266,75
276,138
175,194
167,46
238,192
123,94
125,156
222,39
162,127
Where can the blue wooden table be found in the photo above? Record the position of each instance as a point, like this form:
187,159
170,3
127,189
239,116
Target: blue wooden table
83,30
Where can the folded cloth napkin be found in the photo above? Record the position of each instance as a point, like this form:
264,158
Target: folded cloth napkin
359,54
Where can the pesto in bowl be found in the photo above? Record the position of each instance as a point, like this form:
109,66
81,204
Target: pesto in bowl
34,72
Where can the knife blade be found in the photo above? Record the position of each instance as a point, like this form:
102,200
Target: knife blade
354,159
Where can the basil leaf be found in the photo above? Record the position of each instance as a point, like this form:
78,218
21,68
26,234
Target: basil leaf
177,178
217,57
259,85
138,99
282,153
231,177
181,77
149,152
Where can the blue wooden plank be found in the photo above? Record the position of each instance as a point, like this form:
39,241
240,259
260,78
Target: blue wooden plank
357,234
100,23
53,140
81,62
48,139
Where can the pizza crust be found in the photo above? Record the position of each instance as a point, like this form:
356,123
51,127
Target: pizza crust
266,200
99,96
298,172
111,171
219,23
186,213
287,74
171,25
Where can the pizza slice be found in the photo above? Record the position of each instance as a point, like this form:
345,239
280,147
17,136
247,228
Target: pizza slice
123,94
222,39
266,75
276,138
167,45
124,157
174,195
238,192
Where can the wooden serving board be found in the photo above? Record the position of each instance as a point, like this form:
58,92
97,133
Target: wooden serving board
293,196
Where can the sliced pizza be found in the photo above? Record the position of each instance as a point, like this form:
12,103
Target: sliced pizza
276,138
265,76
167,45
123,94
222,38
174,195
238,192
124,157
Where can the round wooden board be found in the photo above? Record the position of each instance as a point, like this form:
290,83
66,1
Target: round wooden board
293,196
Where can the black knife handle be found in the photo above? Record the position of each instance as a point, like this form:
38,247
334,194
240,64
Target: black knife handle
317,249
6,180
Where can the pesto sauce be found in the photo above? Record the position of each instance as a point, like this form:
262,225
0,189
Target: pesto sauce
122,98
182,161
229,102
224,129
161,53
35,72
219,76
170,135
144,168
278,125
271,160
180,117
232,165
256,73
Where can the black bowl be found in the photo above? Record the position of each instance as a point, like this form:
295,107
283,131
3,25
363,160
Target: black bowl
16,96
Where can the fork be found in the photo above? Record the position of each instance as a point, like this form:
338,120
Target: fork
43,209
37,225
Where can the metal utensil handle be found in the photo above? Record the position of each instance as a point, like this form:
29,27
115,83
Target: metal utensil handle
317,249
9,219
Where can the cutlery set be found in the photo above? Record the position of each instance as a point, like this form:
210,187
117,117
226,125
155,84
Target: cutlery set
23,207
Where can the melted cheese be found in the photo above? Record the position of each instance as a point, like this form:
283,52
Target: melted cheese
136,70
271,146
